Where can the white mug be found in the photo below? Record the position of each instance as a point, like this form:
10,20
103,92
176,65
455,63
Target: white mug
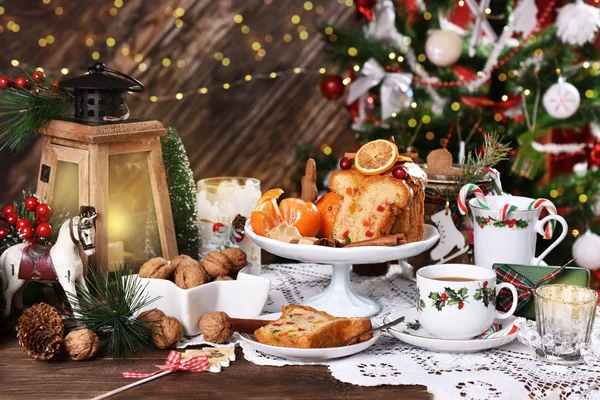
459,309
511,241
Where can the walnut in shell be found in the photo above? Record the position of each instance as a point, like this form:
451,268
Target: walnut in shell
217,264
81,344
167,332
153,315
237,258
157,268
189,273
223,278
216,327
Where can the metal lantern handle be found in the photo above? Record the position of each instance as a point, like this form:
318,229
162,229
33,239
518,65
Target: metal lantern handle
101,67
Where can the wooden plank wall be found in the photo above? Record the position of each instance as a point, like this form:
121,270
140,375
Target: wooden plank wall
249,130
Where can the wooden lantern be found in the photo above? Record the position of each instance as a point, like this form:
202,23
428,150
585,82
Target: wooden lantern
105,159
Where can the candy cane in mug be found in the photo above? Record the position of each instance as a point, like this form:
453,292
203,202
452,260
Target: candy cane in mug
467,189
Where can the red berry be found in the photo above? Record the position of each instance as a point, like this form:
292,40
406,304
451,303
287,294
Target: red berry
38,76
31,203
44,230
345,163
4,232
217,226
399,173
21,82
26,232
23,222
461,305
42,212
485,283
12,218
332,87
444,296
9,209
4,81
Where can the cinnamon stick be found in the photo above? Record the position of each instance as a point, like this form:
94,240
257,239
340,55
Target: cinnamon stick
390,240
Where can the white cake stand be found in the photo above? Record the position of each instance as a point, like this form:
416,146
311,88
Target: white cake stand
339,297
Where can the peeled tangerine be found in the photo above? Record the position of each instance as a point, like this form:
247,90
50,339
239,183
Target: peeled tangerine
298,213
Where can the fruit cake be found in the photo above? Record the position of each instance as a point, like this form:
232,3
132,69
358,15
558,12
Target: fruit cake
379,205
305,327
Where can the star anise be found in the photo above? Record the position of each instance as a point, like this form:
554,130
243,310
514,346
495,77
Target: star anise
327,242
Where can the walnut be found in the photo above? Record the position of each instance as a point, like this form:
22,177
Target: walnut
217,264
189,273
167,332
153,315
223,278
237,258
81,344
157,268
216,327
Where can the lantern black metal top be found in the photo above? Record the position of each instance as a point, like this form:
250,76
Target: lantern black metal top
100,94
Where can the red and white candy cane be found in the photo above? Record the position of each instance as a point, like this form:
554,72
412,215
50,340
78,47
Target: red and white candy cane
505,210
465,191
546,204
495,175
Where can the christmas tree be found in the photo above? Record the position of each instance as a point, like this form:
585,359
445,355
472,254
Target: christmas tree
182,192
445,73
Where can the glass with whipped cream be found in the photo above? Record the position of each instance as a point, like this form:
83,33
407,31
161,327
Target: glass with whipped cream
565,317
222,204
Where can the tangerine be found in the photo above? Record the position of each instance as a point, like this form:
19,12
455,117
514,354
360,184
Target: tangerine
328,207
296,212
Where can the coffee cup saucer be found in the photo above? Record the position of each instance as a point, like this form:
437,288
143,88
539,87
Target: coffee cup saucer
411,332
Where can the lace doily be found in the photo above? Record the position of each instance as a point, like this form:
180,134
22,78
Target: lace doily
509,372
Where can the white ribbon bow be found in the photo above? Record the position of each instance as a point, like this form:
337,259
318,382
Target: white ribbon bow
392,84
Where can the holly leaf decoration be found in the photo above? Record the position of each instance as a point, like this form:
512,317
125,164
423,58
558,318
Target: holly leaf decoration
522,224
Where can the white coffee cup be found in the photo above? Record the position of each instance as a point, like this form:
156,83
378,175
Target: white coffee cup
459,308
511,241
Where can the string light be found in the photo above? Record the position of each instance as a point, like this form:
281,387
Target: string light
238,19
287,38
125,51
178,23
226,86
64,71
226,61
352,52
110,42
95,55
142,67
179,96
308,5
295,19
303,35
118,3
181,64
166,62
179,12
14,63
138,57
268,38
346,81
58,11
273,74
89,42
113,12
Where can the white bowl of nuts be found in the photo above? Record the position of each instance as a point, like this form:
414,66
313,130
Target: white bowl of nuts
188,289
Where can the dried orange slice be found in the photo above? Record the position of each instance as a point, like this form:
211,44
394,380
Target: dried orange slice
376,157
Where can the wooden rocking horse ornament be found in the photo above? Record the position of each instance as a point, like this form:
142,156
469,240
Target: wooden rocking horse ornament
24,262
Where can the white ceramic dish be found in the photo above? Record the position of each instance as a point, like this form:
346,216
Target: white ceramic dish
308,354
353,255
241,298
410,332
339,297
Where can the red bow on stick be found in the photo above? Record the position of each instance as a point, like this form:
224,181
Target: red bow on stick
173,363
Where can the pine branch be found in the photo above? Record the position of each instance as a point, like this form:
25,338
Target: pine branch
108,307
476,164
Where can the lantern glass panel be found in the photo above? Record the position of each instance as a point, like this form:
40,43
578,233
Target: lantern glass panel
132,225
65,198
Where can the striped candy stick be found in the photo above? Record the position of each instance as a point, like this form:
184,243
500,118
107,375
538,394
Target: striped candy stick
505,210
547,204
465,191
495,175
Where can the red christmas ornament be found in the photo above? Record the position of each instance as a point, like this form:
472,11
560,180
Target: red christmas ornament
44,230
12,218
38,76
4,233
26,232
21,82
399,173
23,222
595,155
31,203
4,81
34,91
9,209
217,226
55,85
366,8
345,163
42,212
332,87
238,236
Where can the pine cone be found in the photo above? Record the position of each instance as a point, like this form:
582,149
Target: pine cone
239,222
40,331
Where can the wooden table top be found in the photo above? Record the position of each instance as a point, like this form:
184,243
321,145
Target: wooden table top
23,377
